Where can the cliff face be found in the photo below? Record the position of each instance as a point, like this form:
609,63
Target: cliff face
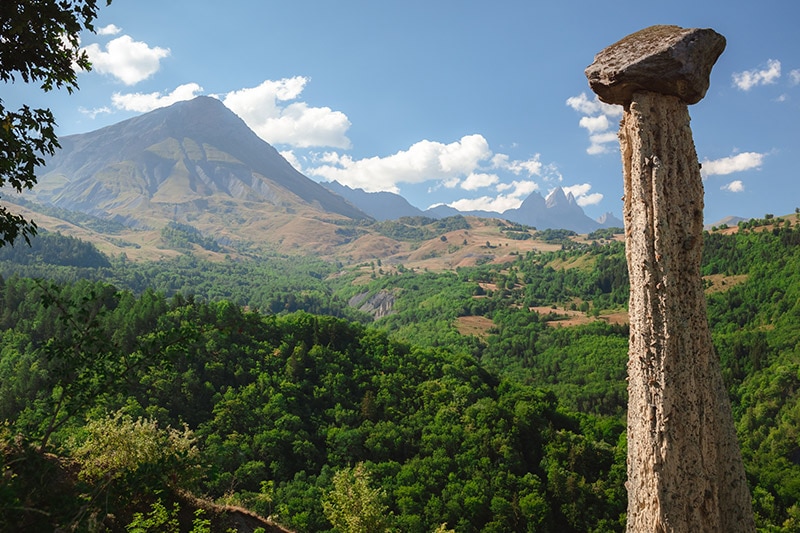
378,305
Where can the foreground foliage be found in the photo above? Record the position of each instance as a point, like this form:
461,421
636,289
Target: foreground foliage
39,43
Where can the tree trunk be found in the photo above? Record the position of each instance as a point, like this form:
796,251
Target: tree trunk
685,471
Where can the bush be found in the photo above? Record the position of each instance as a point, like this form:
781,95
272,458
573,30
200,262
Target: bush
119,447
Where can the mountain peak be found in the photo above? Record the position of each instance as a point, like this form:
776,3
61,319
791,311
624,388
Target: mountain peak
608,220
207,118
557,197
154,167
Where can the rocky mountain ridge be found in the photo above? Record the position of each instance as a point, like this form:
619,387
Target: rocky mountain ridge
197,164
559,210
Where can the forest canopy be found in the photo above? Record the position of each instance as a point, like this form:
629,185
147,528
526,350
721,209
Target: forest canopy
268,400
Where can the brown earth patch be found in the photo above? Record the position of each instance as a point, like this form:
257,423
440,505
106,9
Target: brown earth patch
618,317
569,318
722,283
474,325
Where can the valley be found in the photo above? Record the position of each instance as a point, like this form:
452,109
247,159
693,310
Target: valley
519,360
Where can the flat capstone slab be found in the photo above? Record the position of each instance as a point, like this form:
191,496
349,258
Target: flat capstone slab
662,59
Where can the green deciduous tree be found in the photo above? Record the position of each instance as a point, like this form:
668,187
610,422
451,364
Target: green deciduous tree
353,505
39,43
82,359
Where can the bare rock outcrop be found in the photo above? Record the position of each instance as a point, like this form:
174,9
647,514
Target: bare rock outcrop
378,305
685,471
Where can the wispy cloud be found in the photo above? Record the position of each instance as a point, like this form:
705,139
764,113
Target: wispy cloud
748,79
92,113
597,120
794,76
731,164
528,167
127,60
600,143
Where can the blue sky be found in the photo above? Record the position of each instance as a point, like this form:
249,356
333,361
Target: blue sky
467,103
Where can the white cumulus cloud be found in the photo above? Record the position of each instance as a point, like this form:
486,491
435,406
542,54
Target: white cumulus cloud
595,124
583,105
590,199
127,60
291,158
498,204
522,189
144,102
596,120
111,29
582,195
734,186
577,190
265,110
599,143
478,180
794,76
731,164
451,183
467,164
748,79
518,191
423,161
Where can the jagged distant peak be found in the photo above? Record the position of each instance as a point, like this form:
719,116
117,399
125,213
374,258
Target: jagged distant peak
556,193
558,197
561,199
534,200
609,220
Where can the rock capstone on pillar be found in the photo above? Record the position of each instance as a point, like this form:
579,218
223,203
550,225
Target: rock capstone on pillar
685,471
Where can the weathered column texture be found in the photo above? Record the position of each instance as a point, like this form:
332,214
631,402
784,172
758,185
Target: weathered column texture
685,472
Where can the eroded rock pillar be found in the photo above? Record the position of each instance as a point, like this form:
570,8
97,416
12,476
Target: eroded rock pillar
685,472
